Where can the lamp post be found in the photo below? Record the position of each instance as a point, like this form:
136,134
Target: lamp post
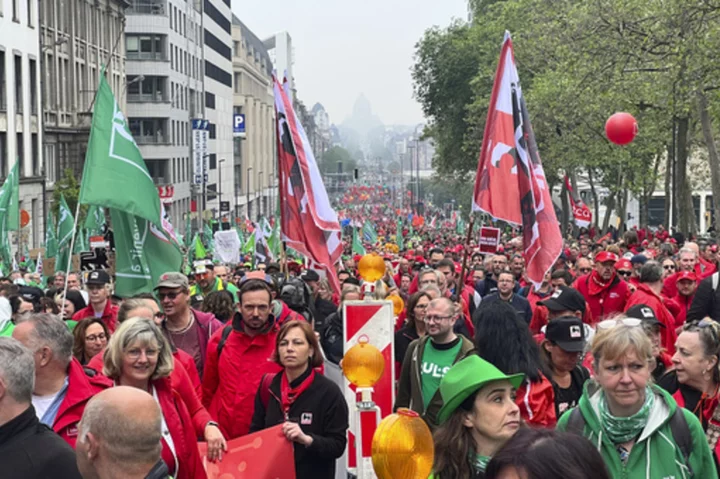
260,193
247,192
219,188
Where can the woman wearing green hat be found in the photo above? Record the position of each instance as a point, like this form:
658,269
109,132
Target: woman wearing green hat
478,416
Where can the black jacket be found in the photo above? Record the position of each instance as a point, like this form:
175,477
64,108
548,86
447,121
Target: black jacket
323,309
489,285
322,413
403,338
331,337
520,304
31,450
706,301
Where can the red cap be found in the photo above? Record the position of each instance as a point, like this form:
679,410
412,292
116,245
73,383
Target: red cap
672,240
357,258
605,256
623,263
686,275
419,259
645,243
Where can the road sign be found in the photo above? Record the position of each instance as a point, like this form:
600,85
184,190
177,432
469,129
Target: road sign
200,133
224,206
239,125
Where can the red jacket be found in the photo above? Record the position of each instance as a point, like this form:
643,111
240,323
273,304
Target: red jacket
181,429
602,302
541,315
644,295
109,316
534,296
232,378
703,269
683,303
537,403
81,387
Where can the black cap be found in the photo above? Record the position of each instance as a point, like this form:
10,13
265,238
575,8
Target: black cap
31,294
310,275
645,313
568,332
565,299
272,266
99,277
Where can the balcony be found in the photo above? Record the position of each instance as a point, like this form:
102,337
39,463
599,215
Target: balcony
158,139
156,97
156,56
146,8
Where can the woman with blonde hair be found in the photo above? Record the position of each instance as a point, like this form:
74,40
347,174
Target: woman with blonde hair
636,426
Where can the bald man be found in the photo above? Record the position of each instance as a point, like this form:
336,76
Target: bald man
119,436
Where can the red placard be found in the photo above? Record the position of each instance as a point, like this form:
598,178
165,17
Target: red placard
489,239
261,454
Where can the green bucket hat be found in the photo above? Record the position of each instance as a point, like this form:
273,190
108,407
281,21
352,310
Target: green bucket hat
464,378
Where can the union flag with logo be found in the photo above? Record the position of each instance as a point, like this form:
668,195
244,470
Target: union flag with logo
510,183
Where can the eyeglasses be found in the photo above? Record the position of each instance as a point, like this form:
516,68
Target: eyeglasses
433,318
170,296
95,337
702,324
624,272
136,352
613,323
668,266
584,270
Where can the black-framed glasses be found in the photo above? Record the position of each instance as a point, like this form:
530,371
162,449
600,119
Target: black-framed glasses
668,266
625,273
172,295
434,318
584,270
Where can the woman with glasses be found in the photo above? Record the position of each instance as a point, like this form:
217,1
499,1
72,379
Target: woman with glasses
669,267
138,355
637,427
91,337
694,381
414,327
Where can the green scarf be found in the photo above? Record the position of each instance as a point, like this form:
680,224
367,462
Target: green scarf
623,429
481,463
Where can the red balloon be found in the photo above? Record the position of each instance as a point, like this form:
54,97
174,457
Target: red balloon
621,128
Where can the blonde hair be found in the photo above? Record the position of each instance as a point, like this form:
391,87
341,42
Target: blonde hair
145,332
616,342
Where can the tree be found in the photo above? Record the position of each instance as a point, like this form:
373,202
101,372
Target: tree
69,187
335,155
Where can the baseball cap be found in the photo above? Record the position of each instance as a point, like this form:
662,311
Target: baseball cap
644,313
98,277
202,266
606,256
172,280
567,332
564,299
623,264
31,294
686,275
310,275
638,259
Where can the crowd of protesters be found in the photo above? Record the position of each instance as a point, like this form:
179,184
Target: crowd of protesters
618,349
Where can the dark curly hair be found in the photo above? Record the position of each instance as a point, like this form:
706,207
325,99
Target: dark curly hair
219,303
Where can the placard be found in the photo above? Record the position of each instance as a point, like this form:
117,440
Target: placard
489,239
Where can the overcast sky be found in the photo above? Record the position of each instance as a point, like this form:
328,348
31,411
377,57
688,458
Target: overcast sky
344,48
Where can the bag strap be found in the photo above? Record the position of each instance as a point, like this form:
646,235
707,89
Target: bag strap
576,422
681,435
265,389
223,339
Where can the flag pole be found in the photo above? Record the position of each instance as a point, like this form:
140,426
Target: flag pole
72,245
461,279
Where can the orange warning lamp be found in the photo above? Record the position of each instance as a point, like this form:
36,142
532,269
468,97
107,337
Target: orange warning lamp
363,364
371,267
402,446
398,303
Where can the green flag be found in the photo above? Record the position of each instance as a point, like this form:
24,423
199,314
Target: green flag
188,229
399,235
66,224
273,241
249,246
115,174
81,242
200,252
142,253
357,246
51,245
95,221
10,198
208,234
369,233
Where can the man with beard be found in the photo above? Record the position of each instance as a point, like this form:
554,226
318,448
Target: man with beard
498,264
686,286
238,357
604,292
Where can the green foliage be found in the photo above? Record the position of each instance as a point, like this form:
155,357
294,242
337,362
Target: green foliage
69,187
335,155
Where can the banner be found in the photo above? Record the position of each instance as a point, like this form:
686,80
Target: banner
227,246
581,212
489,239
264,454
510,183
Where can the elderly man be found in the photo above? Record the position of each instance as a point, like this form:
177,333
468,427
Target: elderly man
689,261
62,386
604,292
28,450
120,436
428,359
99,290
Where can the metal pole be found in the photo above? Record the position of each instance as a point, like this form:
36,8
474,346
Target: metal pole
219,188
247,193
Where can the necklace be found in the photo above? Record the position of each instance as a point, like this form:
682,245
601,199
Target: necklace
182,330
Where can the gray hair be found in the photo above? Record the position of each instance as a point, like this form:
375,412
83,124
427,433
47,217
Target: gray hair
145,332
651,272
126,440
17,369
438,275
686,249
51,331
431,289
351,288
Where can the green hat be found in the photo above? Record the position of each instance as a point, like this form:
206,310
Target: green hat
464,378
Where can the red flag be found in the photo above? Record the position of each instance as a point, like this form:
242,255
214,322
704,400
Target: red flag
309,225
510,183
261,454
581,212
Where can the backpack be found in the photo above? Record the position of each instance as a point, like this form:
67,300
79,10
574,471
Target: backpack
678,426
295,293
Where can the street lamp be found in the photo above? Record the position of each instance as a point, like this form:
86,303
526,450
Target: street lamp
260,193
219,188
247,192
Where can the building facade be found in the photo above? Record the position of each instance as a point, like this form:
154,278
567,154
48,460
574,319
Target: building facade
218,63
255,161
282,55
21,136
164,90
77,39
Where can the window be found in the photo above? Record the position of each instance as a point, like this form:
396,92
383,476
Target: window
3,153
218,74
213,161
145,47
148,130
34,151
212,132
16,10
216,44
20,151
18,85
30,12
209,100
150,89
33,87
238,82
3,82
158,170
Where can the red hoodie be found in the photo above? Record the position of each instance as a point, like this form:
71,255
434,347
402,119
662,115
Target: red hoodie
645,295
603,299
